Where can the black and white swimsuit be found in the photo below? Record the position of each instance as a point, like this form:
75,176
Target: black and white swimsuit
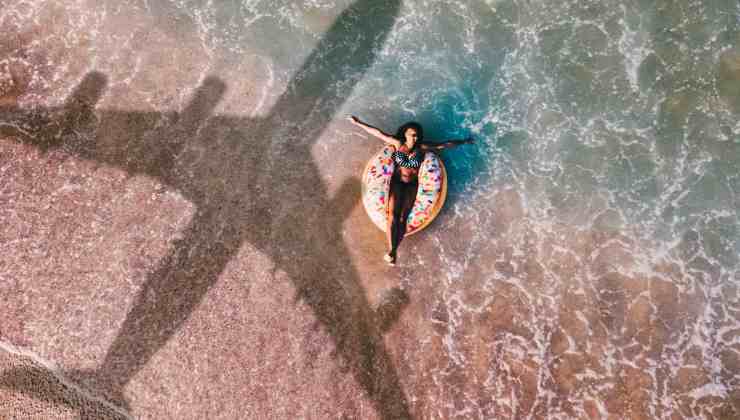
403,159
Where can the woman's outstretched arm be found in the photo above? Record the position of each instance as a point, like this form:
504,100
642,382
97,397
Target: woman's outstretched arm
445,144
374,131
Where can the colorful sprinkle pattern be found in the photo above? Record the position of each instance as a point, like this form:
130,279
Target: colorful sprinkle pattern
376,184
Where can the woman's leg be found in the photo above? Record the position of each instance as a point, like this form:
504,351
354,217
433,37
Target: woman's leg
389,228
395,199
402,204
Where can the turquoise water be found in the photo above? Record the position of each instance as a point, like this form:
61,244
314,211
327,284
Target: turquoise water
610,100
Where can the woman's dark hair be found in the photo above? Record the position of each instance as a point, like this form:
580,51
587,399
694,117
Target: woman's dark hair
401,133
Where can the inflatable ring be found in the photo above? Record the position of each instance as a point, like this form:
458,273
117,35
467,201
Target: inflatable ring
430,197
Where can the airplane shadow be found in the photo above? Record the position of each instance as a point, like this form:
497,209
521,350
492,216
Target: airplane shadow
243,176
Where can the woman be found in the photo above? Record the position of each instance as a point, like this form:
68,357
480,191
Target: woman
408,155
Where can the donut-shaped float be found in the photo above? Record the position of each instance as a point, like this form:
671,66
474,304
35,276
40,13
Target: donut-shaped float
430,196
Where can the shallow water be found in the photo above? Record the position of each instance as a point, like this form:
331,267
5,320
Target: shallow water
586,264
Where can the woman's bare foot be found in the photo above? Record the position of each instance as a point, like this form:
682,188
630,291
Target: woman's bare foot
390,259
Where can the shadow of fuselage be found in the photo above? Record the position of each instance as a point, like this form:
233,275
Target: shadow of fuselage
243,176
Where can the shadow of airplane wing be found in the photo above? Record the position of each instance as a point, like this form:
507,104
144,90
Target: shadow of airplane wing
138,142
336,65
